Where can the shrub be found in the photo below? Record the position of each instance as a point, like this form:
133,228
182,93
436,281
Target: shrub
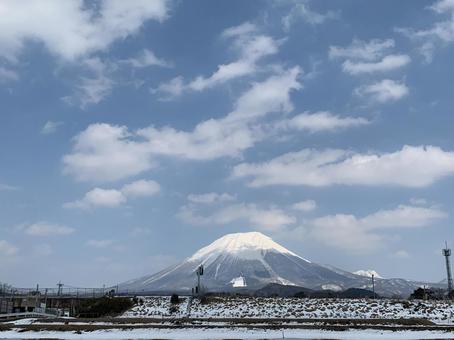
300,295
174,299
104,306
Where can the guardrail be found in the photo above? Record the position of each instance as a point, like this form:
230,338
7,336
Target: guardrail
24,315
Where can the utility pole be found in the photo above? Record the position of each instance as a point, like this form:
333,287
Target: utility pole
45,298
373,285
198,288
447,253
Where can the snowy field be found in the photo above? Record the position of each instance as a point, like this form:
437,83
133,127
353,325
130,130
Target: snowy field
156,318
231,333
441,312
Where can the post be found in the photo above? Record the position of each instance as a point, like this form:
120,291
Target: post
45,298
373,285
199,273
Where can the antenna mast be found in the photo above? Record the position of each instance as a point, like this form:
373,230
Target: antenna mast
447,253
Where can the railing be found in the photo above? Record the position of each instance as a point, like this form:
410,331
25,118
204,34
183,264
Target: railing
26,315
57,292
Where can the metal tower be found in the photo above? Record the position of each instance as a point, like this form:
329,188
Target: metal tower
447,253
198,289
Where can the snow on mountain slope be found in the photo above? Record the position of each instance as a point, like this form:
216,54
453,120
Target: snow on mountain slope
258,261
368,273
247,246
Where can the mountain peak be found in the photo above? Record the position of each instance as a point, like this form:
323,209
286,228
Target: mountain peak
245,245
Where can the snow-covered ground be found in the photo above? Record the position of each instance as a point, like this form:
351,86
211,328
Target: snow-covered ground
441,312
231,333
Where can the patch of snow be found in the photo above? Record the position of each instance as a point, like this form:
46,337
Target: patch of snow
368,273
227,333
238,282
27,321
243,245
283,281
332,286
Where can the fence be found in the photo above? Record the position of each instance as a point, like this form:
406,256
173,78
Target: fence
60,292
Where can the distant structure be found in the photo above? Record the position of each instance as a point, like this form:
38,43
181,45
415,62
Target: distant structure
60,288
198,289
373,284
447,253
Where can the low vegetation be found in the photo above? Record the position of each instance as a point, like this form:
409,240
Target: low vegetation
105,306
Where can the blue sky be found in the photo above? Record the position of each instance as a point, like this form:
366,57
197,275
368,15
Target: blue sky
133,133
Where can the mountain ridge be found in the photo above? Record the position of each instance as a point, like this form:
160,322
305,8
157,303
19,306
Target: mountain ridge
253,260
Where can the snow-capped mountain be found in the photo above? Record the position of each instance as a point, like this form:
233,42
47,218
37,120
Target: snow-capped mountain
251,261
368,273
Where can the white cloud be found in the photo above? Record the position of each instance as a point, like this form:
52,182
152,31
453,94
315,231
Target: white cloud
268,219
106,153
249,45
404,216
401,254
384,91
72,29
50,127
302,11
7,75
97,197
168,90
427,50
46,229
93,88
369,57
361,50
271,95
244,29
443,6
99,243
6,187
145,59
412,166
101,76
7,248
365,234
211,197
111,198
75,32
440,31
141,188
322,121
388,63
306,206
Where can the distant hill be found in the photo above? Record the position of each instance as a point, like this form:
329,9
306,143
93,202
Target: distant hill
276,289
